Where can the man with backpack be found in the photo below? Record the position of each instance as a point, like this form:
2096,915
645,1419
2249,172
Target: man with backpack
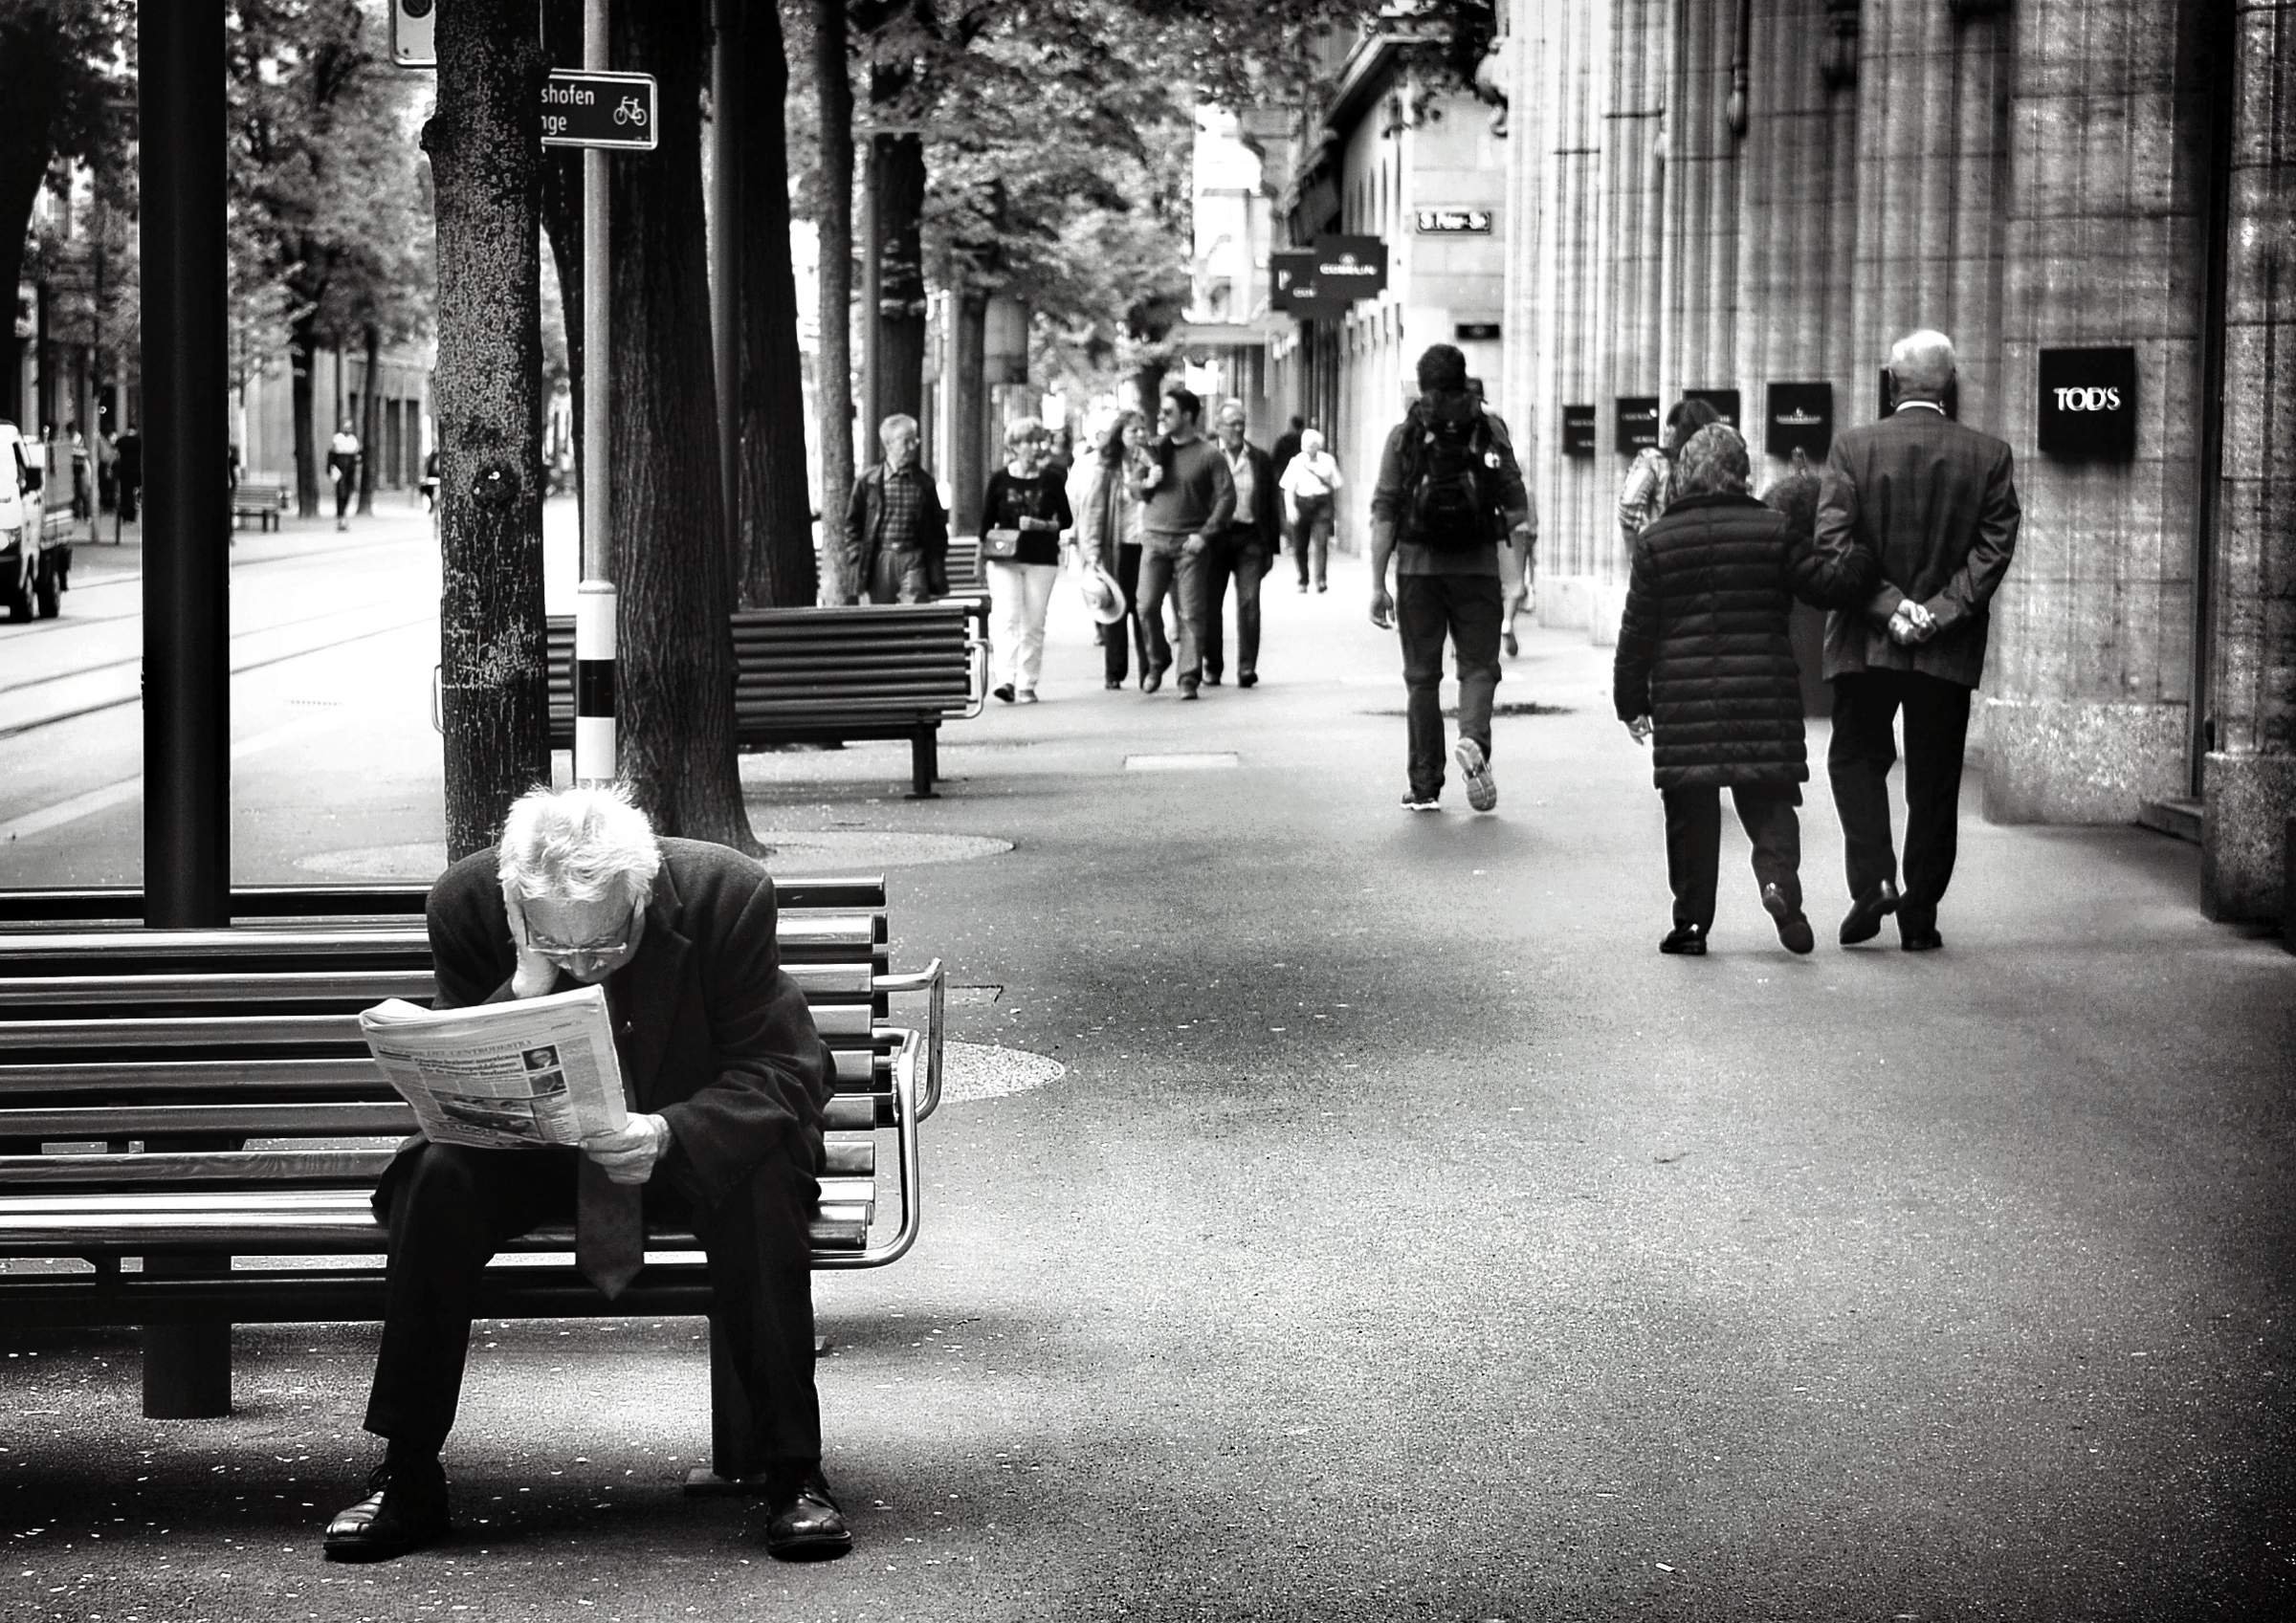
1448,492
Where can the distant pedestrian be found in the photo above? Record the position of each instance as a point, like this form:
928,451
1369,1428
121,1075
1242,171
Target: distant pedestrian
129,450
1448,491
1705,673
1311,485
1189,497
83,484
1650,478
1241,553
1935,503
895,527
1288,445
342,461
1026,508
431,480
1111,536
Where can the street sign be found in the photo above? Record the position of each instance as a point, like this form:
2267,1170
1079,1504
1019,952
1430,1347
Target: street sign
582,107
1452,222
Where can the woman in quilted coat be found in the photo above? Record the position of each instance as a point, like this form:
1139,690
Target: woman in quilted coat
1705,674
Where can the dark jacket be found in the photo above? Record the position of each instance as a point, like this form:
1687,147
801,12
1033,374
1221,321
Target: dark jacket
864,524
711,1035
1703,649
1935,504
1266,500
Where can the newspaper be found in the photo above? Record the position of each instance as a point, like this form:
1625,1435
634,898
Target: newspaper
534,1070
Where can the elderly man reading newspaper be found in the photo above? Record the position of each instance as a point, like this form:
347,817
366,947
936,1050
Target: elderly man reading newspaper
727,1080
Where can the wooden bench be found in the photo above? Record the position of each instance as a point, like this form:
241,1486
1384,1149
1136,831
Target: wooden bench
173,1100
827,676
260,499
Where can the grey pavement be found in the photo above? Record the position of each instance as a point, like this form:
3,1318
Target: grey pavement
1400,1236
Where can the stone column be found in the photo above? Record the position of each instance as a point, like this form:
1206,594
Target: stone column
2091,664
2248,781
1701,205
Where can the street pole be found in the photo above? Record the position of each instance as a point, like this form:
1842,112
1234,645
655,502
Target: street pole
726,161
187,597
595,756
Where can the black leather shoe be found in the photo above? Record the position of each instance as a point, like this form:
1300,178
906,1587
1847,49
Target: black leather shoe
1864,921
1921,940
1684,941
403,1511
1211,679
1187,689
1154,680
1793,925
807,1527
1249,679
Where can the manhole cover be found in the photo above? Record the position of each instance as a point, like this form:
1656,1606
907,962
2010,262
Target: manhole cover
979,1070
790,851
1199,761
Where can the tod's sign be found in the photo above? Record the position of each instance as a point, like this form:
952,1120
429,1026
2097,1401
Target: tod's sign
2087,406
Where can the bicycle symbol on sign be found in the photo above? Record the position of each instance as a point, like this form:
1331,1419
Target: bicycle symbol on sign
632,112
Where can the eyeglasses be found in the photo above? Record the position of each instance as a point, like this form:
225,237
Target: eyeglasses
602,948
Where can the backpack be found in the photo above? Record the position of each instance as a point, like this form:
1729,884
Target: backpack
1454,492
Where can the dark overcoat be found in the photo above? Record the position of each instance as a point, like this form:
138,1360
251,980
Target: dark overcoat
1703,649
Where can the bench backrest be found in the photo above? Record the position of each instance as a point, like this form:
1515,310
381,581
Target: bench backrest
968,576
259,492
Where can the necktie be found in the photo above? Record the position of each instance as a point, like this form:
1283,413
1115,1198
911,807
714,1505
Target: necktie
609,1228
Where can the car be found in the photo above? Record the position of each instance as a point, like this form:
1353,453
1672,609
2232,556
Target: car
36,543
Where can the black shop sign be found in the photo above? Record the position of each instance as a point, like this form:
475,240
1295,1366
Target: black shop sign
1723,400
1578,431
1636,423
1801,418
2088,403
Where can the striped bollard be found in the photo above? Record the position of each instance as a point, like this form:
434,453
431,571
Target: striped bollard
594,758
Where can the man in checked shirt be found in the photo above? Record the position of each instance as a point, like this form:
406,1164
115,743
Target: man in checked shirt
896,532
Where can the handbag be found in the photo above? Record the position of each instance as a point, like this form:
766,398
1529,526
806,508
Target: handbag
1000,543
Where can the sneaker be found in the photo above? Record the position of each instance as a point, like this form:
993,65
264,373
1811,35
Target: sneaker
1482,789
1211,679
1793,925
1415,802
1027,696
1004,691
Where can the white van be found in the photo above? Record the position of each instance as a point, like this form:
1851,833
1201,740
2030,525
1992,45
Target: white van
36,546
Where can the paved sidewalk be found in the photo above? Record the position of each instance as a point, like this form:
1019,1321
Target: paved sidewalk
1380,1228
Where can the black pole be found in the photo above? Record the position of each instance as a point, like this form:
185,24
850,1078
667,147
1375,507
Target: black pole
187,528
726,161
187,605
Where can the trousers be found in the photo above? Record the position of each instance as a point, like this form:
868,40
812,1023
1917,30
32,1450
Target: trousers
1167,570
1429,608
1233,555
1129,636
1857,761
457,1206
1694,843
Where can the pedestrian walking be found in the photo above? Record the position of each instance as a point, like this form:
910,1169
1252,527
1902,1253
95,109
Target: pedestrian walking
431,480
1023,514
1705,674
1111,536
1935,503
129,448
1188,496
1448,490
1650,478
1288,445
1311,485
1239,553
896,532
343,462
728,1079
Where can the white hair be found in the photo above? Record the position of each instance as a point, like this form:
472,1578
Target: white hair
1311,441
578,845
1922,362
900,420
1021,431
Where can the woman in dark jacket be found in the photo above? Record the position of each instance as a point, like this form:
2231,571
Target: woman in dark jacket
1704,671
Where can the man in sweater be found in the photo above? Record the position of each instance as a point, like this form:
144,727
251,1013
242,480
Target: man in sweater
1187,498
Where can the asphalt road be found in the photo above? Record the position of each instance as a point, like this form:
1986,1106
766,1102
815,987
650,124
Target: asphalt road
1401,1237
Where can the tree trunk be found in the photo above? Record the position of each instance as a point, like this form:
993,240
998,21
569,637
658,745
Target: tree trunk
899,170
370,424
1149,379
486,160
676,678
303,361
27,116
968,416
777,516
834,389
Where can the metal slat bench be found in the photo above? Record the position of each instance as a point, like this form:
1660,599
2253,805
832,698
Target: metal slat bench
173,1100
827,676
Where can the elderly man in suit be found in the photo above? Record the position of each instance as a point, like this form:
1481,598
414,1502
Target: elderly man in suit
1935,504
727,1082
1241,552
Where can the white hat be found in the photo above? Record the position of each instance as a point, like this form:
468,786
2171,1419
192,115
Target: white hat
1101,594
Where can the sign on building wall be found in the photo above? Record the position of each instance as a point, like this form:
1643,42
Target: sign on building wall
1638,423
1578,431
1723,400
1474,332
1800,416
2088,403
1354,267
1452,222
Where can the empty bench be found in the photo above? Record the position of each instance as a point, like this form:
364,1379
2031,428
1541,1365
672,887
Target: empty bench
262,499
192,1118
828,675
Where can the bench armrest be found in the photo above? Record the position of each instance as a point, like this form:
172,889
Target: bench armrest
933,980
976,677
907,1060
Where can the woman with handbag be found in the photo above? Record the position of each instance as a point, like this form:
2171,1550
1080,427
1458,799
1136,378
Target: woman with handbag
1022,515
